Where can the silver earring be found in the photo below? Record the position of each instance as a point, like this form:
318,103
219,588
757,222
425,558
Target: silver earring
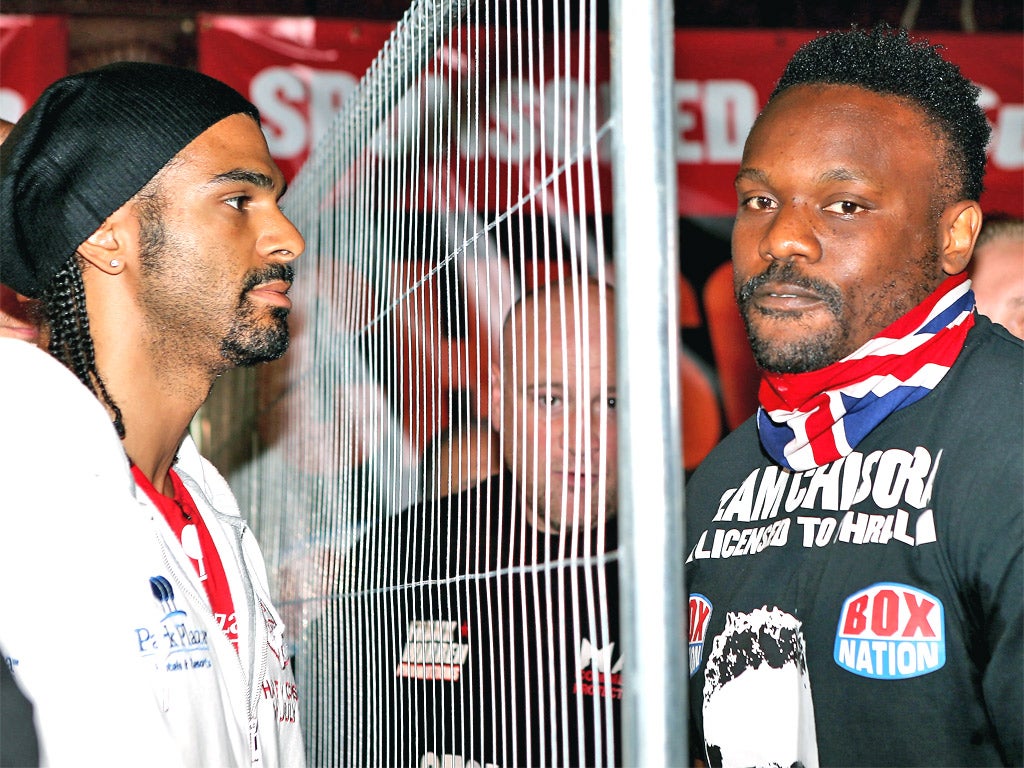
114,263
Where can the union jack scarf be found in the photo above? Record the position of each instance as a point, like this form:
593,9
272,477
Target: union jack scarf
810,419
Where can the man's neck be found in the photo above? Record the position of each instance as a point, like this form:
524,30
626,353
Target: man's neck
156,381
157,399
154,458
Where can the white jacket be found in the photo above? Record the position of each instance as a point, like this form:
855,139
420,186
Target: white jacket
102,618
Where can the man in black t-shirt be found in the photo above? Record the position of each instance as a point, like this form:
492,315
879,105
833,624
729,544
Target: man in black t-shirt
483,627
854,556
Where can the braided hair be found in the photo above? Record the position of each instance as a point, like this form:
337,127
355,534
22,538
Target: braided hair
70,340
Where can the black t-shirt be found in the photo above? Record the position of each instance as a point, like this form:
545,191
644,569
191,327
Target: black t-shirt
868,612
471,636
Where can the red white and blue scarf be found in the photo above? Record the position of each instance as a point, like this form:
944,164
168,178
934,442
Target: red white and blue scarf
810,419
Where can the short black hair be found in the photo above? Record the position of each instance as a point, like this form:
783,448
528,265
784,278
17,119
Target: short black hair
886,61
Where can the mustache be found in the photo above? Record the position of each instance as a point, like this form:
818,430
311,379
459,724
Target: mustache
785,272
271,272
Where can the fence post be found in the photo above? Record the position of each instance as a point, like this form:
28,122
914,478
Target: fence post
650,426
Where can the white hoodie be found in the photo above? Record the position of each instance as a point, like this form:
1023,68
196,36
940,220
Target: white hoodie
102,618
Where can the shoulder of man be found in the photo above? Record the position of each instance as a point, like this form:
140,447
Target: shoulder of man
1001,342
420,541
51,420
36,379
987,380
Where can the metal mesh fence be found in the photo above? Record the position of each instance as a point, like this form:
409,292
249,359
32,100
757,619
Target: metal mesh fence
433,468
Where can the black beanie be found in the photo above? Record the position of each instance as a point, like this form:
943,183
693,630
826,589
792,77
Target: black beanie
85,148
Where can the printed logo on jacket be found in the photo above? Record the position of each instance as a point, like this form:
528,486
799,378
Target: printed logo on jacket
891,632
178,642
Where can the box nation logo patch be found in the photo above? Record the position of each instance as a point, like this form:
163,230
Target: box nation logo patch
891,632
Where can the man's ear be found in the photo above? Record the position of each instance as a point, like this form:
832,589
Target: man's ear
104,248
960,224
495,385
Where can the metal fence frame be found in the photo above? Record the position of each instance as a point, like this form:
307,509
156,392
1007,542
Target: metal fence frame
646,260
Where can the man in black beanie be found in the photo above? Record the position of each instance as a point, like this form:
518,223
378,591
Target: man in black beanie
139,203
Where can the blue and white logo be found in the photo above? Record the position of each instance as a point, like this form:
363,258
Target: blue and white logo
178,643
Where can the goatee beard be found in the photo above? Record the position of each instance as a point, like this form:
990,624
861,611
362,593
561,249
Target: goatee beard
249,342
798,356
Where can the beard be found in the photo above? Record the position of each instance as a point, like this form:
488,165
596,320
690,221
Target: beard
252,340
860,313
808,353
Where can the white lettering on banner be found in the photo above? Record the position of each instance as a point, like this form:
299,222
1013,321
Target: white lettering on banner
730,108
276,92
721,112
510,131
396,134
328,91
566,102
296,116
1008,138
712,117
12,104
897,482
1006,147
687,93
519,116
298,105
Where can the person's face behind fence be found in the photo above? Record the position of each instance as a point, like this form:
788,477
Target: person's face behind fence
998,281
559,431
837,233
215,252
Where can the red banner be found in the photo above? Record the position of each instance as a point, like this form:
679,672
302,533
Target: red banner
298,71
33,53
